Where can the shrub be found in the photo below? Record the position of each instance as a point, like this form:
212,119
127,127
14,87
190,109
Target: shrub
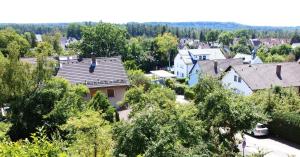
181,80
189,94
170,83
286,125
179,89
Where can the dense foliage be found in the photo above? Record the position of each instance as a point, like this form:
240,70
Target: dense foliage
48,116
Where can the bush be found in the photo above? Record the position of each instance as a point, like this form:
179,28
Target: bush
189,94
181,80
179,89
286,125
170,83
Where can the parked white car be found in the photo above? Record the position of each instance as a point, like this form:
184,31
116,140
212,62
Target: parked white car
260,130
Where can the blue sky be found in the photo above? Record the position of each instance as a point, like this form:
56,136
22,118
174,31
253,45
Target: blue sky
251,12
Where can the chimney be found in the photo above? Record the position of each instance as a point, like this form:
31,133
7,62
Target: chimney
93,56
278,70
216,66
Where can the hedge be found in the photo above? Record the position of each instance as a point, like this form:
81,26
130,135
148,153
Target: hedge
181,80
180,89
286,125
189,94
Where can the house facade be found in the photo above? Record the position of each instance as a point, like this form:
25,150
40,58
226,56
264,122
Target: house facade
106,75
246,79
214,68
185,59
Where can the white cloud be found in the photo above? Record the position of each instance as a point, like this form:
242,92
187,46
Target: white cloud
253,12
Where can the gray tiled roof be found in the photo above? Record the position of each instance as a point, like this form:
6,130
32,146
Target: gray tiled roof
262,76
207,66
108,72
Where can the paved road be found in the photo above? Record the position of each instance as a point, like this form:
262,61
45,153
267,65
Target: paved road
275,147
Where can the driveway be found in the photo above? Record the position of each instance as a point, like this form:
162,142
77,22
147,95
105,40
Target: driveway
180,99
275,147
124,114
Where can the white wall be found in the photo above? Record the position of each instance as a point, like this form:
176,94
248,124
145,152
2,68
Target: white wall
181,70
238,87
179,67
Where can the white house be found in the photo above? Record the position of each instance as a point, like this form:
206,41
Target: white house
185,59
249,59
246,79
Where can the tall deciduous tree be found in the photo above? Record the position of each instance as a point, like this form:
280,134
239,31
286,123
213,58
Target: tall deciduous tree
226,38
212,36
90,134
166,47
8,36
16,77
31,38
104,39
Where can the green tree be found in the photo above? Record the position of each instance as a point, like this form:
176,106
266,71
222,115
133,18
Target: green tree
90,134
54,40
241,34
205,85
56,43
16,77
239,48
201,37
31,38
138,78
104,39
70,105
212,36
166,47
100,102
284,49
44,68
295,38
27,113
7,36
170,131
221,108
44,48
39,145
226,38
74,30
296,52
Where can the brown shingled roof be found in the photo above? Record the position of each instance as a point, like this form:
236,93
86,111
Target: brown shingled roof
108,72
262,76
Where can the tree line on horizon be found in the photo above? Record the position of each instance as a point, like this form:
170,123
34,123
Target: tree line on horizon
181,30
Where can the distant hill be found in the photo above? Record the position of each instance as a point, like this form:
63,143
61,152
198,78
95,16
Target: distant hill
220,25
